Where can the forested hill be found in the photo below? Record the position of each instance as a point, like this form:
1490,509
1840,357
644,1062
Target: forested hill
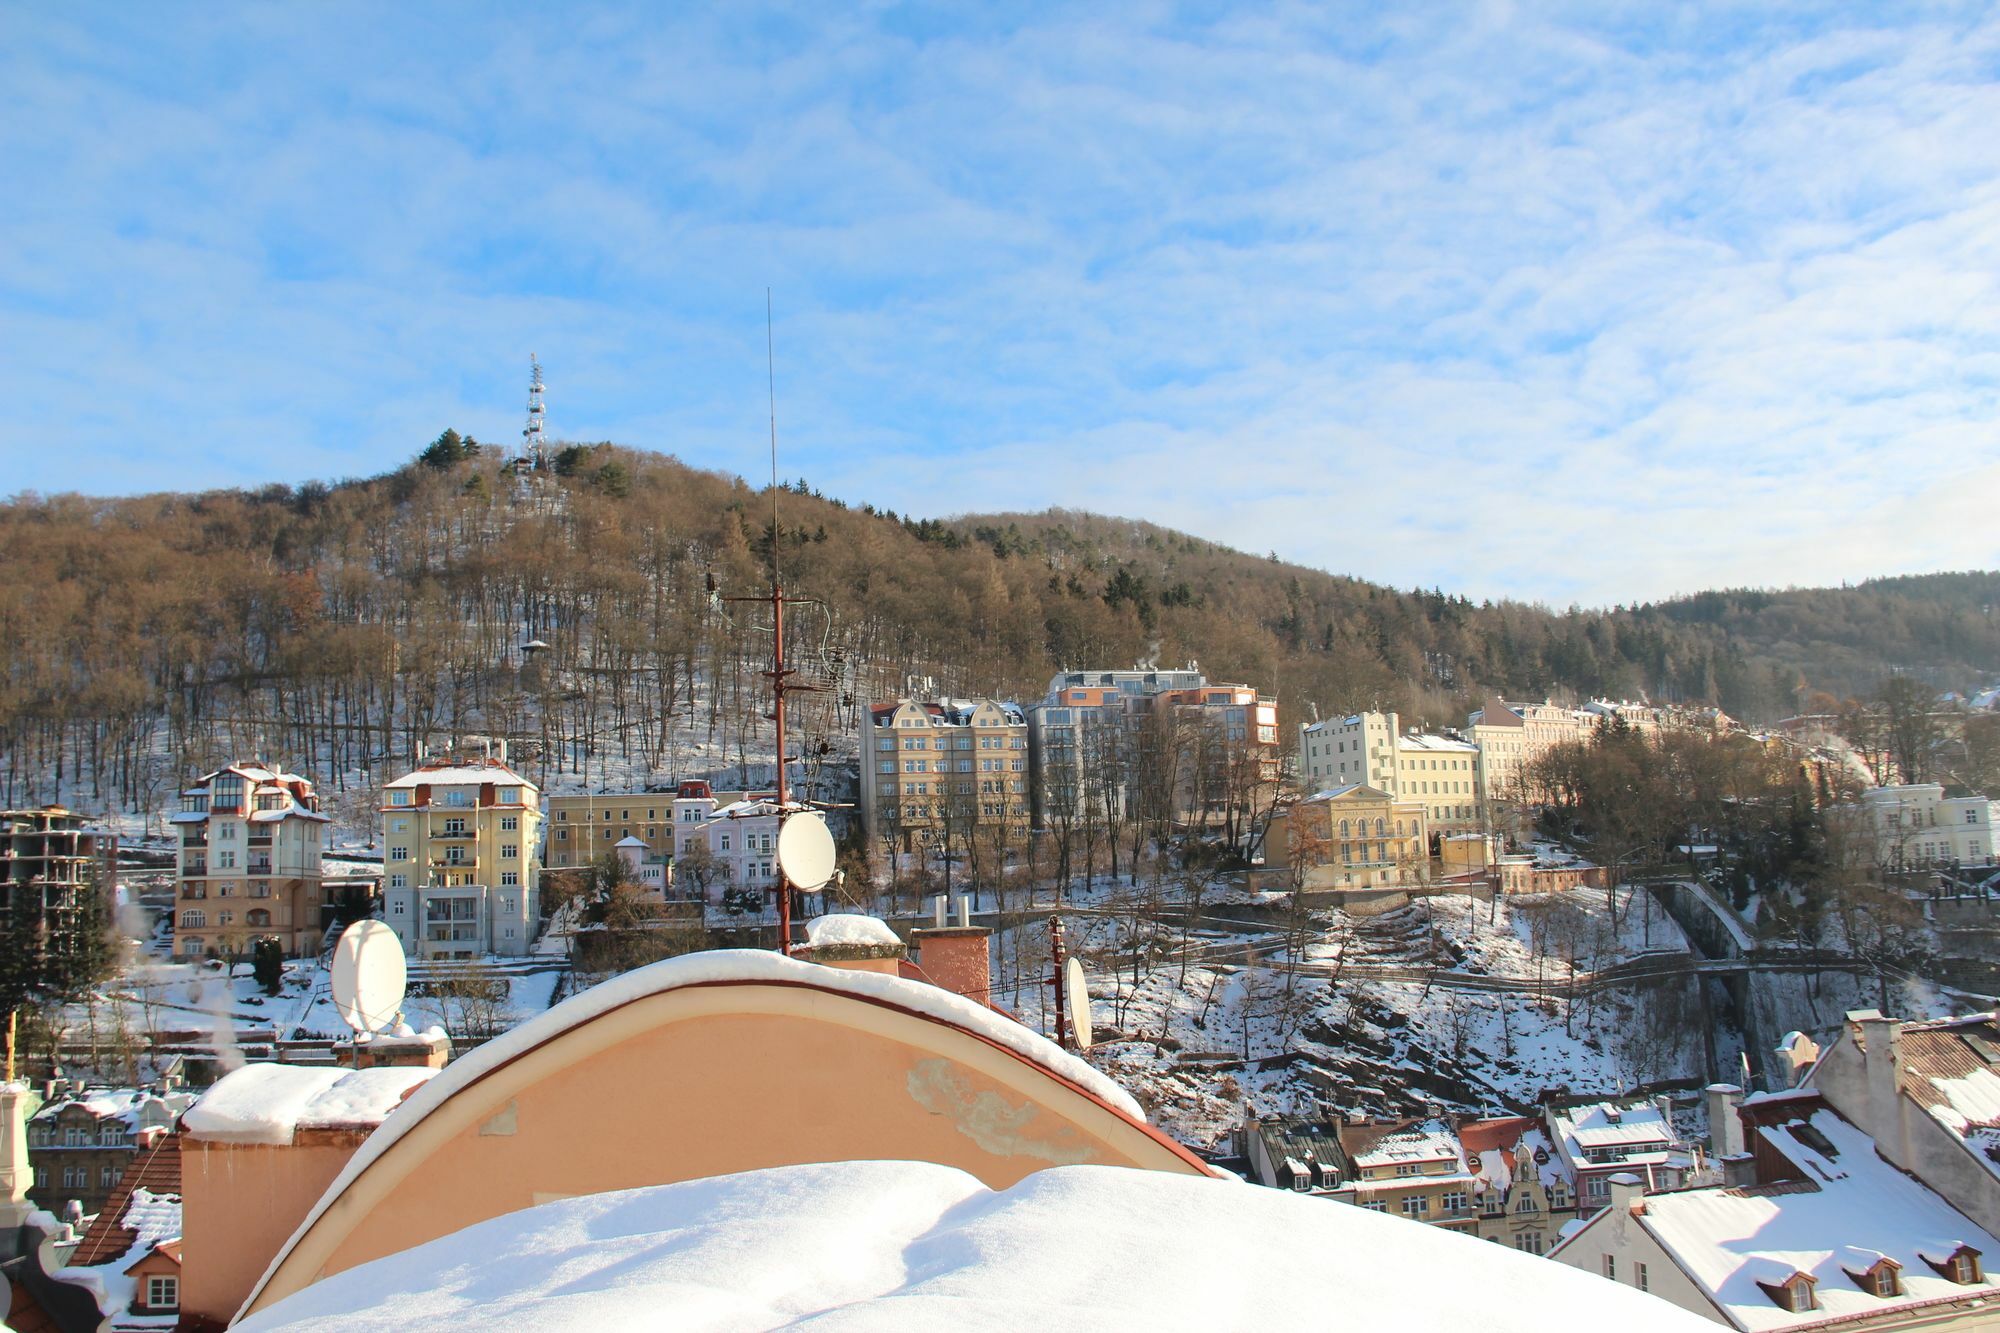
339,624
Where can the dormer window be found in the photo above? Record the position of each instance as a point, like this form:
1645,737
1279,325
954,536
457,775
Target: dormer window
1880,1278
1794,1293
1954,1262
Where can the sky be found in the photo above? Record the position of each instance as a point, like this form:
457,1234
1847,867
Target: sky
1577,304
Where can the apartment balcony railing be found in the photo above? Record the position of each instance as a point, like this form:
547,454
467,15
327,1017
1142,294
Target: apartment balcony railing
258,868
454,834
192,838
195,868
454,863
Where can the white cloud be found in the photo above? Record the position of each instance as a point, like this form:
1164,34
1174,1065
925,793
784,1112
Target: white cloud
1600,309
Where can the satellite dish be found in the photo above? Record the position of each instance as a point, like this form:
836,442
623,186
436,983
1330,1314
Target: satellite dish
805,850
368,976
1076,995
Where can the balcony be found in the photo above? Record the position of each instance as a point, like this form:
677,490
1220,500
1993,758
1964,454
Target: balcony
260,840
193,868
454,863
194,837
258,868
442,830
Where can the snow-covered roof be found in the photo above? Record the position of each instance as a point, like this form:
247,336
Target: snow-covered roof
1425,740
840,928
1335,793
1493,1147
468,774
1638,1126
1849,1210
292,812
269,1103
1949,1068
630,842
1428,1141
916,1245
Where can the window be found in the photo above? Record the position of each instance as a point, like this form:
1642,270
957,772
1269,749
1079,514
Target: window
399,853
510,851
1526,1203
454,828
396,909
1453,1202
1639,1278
75,1178
506,904
1611,1267
193,920
1529,1242
1416,1206
725,842
509,878
163,1292
107,1176
1375,1206
226,831
562,835
399,881
225,860
399,797
74,1136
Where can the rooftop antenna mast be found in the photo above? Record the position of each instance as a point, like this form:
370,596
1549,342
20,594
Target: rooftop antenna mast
779,673
535,444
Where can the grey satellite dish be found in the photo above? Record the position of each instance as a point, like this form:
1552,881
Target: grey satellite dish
805,850
368,976
1076,995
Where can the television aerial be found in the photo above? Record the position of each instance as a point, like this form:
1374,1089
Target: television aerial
805,851
368,977
1076,998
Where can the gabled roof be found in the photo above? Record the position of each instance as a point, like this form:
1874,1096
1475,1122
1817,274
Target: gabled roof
461,773
154,1179
1847,1212
1951,1069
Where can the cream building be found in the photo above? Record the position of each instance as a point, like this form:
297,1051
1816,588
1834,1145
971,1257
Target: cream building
1352,837
460,863
582,829
1916,825
249,863
1371,748
960,765
1511,737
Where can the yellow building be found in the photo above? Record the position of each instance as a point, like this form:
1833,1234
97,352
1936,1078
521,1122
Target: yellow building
1414,1170
460,864
948,769
1354,837
584,828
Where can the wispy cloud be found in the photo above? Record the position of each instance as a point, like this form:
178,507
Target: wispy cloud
1588,305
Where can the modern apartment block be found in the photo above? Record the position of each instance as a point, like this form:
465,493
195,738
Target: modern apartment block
248,865
1372,749
1086,738
56,853
461,873
950,768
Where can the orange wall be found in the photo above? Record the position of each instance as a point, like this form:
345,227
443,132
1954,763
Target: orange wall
240,1203
708,1080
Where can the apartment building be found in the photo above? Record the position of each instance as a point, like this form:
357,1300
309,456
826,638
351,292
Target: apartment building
81,1140
248,864
1079,738
1916,825
1372,749
1511,737
56,855
952,768
461,871
582,829
1411,1169
1352,837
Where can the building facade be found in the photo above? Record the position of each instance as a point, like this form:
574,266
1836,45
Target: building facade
581,829
1511,737
1442,771
1915,825
461,873
80,1143
49,859
944,772
248,864
1353,837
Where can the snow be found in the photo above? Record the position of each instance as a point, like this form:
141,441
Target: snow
849,928
269,1103
853,1245
461,775
693,969
1431,1141
1855,1210
153,1218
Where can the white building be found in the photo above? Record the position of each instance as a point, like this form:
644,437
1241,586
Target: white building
1601,1139
1917,825
1820,1233
1370,749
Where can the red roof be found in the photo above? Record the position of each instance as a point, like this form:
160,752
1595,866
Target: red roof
156,1169
1478,1136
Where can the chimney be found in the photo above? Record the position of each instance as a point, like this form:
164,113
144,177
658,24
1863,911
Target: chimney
430,1049
955,956
1883,1063
1628,1193
1725,1121
16,1175
853,943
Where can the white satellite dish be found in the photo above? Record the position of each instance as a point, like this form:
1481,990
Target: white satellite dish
1076,996
369,976
805,850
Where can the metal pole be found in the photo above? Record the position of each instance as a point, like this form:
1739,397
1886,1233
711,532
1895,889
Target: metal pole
1057,956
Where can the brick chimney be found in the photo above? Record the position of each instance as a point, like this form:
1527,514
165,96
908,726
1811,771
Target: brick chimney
413,1050
853,943
956,956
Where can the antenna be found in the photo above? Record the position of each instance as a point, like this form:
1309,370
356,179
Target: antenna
535,444
368,977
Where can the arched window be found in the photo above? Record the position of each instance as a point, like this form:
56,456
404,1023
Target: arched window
193,920
1344,828
190,944
1381,827
257,917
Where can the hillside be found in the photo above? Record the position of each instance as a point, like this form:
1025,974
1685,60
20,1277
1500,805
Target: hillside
339,625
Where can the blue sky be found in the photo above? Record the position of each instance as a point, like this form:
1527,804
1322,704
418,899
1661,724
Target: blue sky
1588,303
